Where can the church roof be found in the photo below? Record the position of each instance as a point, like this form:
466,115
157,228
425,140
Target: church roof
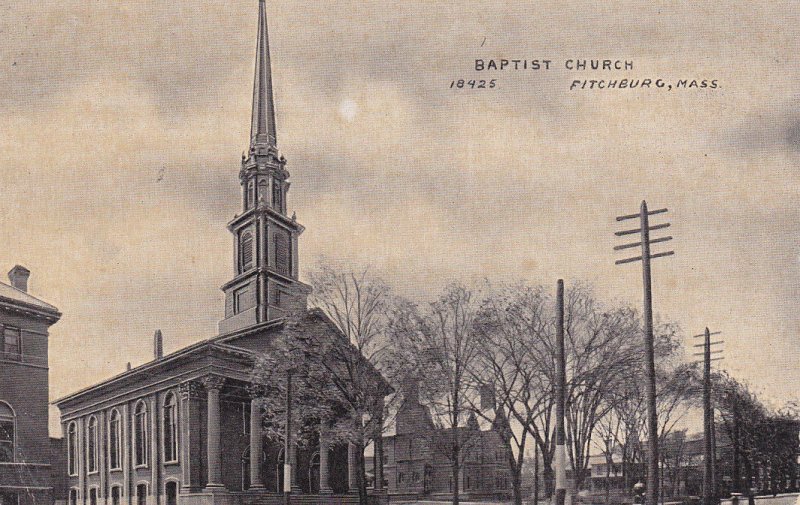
23,300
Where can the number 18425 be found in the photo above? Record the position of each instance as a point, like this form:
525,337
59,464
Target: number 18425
473,84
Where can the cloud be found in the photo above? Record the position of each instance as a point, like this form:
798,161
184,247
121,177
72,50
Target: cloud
124,122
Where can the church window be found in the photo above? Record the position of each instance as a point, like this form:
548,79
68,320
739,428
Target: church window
242,300
276,297
7,425
72,448
283,256
114,441
73,496
245,252
91,446
170,429
116,492
141,494
251,194
12,344
277,195
140,434
93,496
171,490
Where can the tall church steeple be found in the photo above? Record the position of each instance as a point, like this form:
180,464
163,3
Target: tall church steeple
262,130
265,285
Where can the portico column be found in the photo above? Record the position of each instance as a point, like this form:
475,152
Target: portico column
324,449
293,458
352,483
213,386
255,444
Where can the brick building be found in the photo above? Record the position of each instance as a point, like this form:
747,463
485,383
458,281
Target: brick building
26,465
183,428
416,463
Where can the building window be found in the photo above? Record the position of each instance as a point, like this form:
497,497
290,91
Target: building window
245,252
251,194
276,296
242,300
115,495
72,448
7,422
277,195
91,446
170,429
171,490
114,441
141,494
73,497
12,342
283,254
400,477
140,434
93,496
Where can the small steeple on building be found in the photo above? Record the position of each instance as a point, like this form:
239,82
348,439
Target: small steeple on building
265,285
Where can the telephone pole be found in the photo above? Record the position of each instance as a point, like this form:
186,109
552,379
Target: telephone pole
287,443
710,456
561,389
650,368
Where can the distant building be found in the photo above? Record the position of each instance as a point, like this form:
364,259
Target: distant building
26,462
416,462
682,464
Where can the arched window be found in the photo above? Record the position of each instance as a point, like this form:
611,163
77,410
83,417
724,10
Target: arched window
7,425
171,490
114,441
279,472
251,194
72,448
73,496
277,195
141,494
245,252
116,493
91,445
140,434
170,429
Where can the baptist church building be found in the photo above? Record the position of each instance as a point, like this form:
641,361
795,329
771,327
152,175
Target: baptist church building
183,428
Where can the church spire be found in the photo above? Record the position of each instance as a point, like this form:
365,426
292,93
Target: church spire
262,130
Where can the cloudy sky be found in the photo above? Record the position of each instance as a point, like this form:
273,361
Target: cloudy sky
123,124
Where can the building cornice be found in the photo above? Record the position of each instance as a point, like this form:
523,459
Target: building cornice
286,221
51,316
152,367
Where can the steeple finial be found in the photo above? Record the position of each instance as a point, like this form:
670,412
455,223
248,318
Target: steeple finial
262,131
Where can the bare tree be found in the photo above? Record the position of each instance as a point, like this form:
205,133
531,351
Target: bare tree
358,304
677,390
506,370
439,346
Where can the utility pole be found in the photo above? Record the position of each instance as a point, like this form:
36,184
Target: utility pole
650,367
710,456
287,443
535,473
561,389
